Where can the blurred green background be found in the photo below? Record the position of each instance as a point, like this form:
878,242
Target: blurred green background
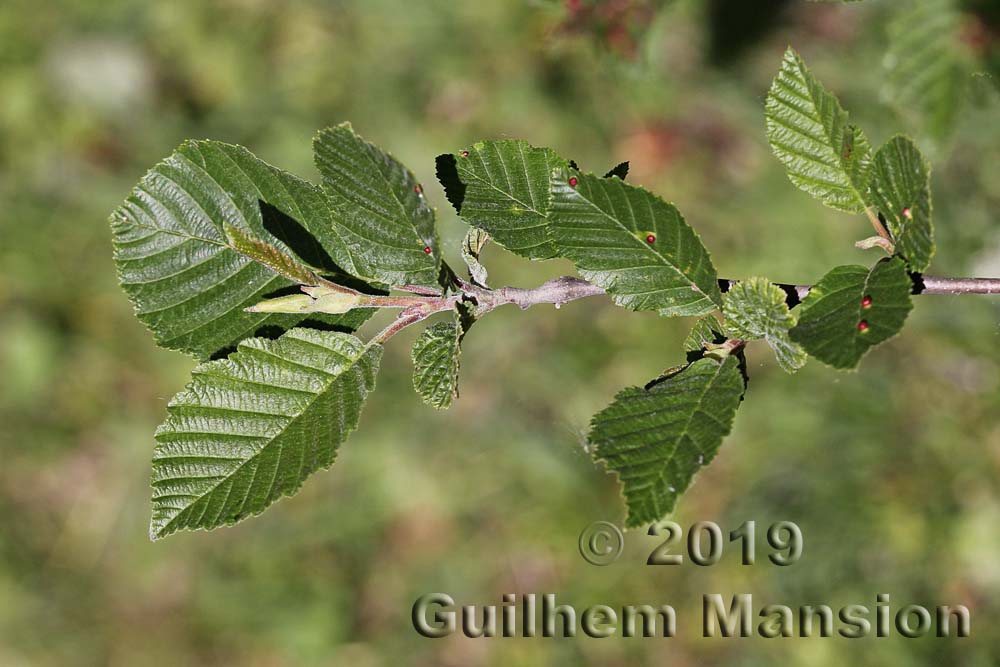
892,473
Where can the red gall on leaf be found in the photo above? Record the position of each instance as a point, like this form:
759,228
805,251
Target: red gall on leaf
866,302
573,181
863,326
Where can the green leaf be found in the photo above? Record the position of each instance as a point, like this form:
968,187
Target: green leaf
507,194
473,244
250,429
435,363
382,223
927,74
901,190
657,438
829,322
706,331
604,227
756,309
809,132
187,278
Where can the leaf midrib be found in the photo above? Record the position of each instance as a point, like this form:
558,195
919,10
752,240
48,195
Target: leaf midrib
508,195
270,441
643,247
405,220
661,472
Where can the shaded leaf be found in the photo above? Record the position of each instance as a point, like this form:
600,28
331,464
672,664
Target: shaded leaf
657,438
829,326
446,170
435,363
381,223
507,194
250,429
927,74
473,243
187,280
757,309
901,190
808,131
620,170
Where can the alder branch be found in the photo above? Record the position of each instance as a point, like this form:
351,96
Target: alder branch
936,285
556,291
569,288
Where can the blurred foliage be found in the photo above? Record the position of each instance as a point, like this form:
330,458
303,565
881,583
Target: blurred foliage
893,473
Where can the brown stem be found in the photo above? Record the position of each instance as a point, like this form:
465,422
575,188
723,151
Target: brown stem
568,288
404,302
556,291
935,285
880,228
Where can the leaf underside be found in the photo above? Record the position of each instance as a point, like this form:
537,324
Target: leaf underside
604,227
808,131
176,263
901,190
657,438
757,309
382,221
507,194
828,326
250,429
435,356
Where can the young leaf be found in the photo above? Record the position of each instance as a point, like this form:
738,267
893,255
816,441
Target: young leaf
473,244
901,190
809,132
250,429
383,229
274,258
189,279
657,438
852,309
435,363
632,244
756,308
927,74
706,331
507,185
